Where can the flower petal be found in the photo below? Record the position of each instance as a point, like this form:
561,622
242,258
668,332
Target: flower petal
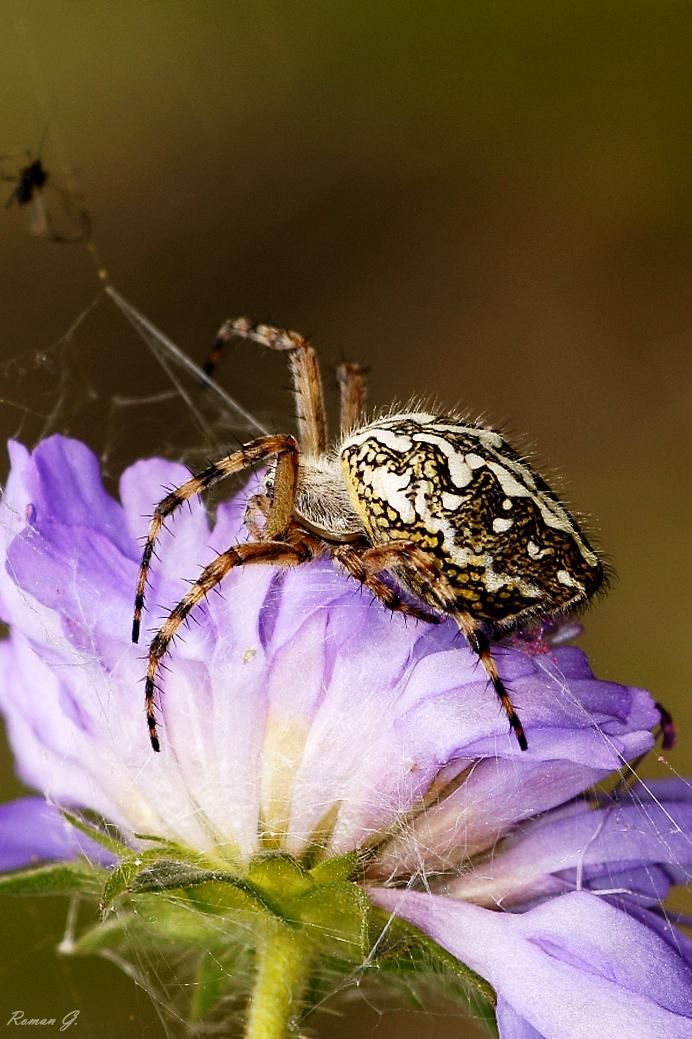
603,849
510,1025
33,831
474,815
572,968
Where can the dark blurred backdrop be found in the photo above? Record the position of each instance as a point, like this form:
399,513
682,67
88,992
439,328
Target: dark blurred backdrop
485,202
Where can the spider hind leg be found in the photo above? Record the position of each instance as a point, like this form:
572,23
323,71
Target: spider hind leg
365,565
480,644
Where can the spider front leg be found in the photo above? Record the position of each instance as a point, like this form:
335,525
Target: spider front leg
276,553
305,371
282,447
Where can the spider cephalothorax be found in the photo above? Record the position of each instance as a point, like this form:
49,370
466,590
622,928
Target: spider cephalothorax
445,506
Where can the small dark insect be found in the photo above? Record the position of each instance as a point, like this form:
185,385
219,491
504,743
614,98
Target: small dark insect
63,221
31,179
443,505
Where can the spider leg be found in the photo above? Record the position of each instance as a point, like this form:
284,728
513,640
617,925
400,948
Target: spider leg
284,448
276,553
423,576
365,565
305,372
353,391
480,644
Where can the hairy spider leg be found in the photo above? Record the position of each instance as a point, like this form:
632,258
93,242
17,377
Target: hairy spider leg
277,553
395,555
480,644
353,389
283,447
365,565
305,373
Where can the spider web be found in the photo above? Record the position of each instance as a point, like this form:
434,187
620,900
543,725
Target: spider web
58,388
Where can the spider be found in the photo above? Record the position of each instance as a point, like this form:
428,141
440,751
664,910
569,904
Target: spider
444,506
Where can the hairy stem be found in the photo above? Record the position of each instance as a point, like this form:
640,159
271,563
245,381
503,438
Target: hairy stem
282,970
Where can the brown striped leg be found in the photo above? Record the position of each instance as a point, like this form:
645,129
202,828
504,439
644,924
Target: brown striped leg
283,448
353,390
417,570
276,553
365,565
480,644
305,372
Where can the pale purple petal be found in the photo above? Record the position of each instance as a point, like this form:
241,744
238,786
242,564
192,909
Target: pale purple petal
32,831
572,968
476,814
510,1025
64,486
659,920
76,572
612,849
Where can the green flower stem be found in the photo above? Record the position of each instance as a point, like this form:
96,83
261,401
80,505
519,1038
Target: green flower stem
283,961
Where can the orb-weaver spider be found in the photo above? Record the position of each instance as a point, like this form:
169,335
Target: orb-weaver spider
445,506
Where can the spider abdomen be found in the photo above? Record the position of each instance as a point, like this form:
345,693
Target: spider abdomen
505,544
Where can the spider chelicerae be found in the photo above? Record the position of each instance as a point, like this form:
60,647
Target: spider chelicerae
444,506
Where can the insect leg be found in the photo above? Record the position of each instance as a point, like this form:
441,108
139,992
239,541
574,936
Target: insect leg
256,513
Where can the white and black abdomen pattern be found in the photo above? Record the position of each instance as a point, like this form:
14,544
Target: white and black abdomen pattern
461,492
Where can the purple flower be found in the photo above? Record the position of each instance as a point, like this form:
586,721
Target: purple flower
300,718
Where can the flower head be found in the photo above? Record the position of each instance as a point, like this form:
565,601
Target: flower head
299,720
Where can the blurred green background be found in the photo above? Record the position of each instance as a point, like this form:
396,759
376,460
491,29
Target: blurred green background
485,202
